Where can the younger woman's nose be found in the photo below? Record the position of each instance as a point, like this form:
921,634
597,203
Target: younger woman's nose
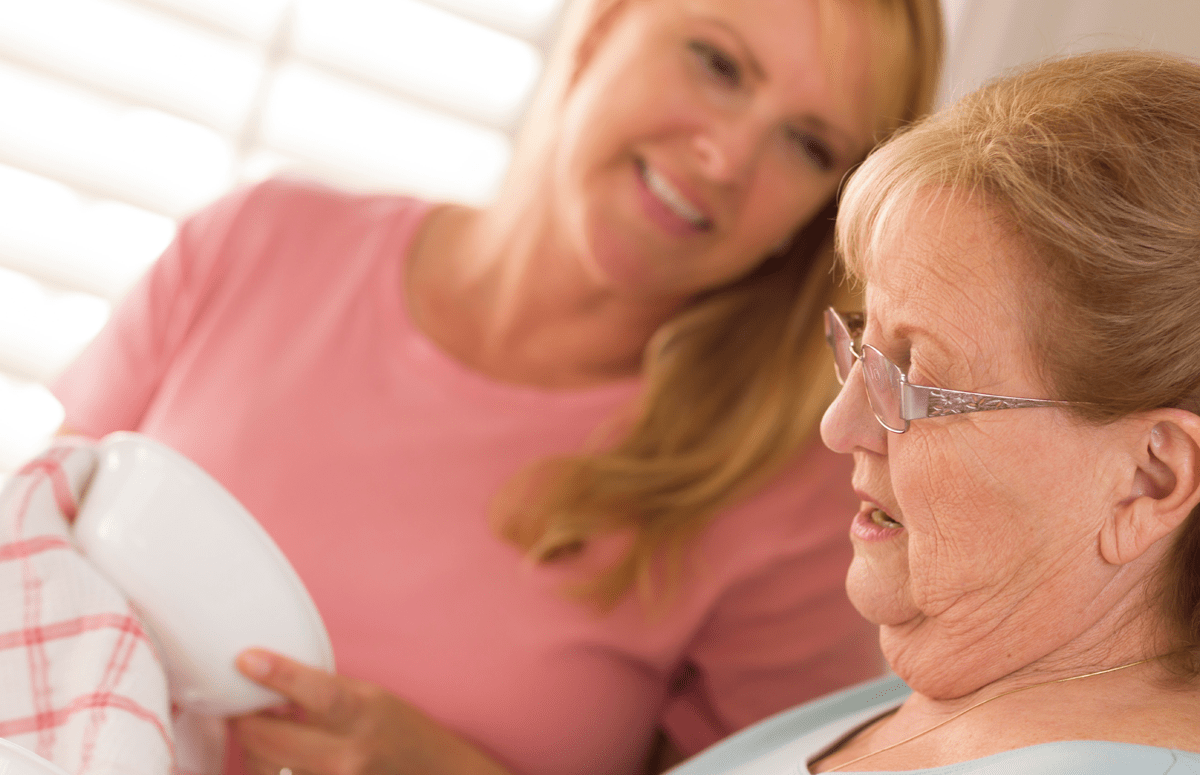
849,423
729,148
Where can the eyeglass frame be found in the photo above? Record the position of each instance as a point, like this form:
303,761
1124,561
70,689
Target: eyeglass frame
915,402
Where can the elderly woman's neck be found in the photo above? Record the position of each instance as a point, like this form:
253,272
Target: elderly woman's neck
1129,628
1086,690
1113,616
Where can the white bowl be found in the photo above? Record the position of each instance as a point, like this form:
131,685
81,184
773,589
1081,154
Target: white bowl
204,577
15,760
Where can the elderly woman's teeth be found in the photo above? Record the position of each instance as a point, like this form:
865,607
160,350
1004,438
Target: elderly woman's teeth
883,520
674,200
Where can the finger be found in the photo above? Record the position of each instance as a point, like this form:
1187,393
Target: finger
257,765
328,700
271,743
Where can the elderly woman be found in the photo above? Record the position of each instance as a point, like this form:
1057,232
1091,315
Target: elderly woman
1034,572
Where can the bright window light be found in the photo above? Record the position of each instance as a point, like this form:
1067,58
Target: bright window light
531,19
256,19
42,330
120,243
170,153
140,154
263,164
422,51
201,75
313,115
33,204
50,232
29,415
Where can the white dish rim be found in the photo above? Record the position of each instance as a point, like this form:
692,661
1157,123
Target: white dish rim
252,527
29,757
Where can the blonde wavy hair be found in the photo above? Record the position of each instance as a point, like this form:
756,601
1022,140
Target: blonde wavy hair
735,384
1094,160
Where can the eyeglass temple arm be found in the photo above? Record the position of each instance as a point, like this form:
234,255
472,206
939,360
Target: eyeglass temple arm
920,401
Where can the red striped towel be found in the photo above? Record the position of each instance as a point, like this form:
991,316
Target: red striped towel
80,682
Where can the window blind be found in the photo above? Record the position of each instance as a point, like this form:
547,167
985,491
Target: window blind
121,116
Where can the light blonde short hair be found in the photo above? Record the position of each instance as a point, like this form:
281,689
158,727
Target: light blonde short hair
1094,163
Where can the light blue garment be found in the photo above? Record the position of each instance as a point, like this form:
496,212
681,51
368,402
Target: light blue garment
782,744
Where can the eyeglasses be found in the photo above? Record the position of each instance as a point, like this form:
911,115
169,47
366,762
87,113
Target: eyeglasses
893,398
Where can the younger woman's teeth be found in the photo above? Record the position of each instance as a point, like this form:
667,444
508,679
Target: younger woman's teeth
675,201
883,520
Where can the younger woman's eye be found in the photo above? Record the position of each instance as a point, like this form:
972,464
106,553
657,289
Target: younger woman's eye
815,149
717,62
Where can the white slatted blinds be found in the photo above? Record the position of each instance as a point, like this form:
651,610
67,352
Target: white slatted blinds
119,116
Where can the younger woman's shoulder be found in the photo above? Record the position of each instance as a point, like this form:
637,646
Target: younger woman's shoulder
283,224
301,202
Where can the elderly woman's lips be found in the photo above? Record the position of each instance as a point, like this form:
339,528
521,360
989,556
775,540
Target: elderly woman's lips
880,517
874,524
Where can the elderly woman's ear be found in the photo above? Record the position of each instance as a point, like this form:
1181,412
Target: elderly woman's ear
1164,487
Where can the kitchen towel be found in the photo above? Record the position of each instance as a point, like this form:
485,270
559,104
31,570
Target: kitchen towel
82,683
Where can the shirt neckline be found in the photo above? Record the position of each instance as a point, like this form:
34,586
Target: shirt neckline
946,769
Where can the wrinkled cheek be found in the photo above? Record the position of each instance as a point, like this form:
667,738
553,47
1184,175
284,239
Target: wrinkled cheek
927,477
942,507
939,577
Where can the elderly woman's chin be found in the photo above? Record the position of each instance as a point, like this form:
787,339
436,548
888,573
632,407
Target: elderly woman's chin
878,583
879,586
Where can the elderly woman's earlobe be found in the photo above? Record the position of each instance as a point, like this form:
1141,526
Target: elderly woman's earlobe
1164,490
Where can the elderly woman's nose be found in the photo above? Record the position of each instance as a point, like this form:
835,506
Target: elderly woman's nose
849,423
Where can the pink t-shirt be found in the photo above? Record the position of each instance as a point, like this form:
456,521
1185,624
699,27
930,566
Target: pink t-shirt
271,344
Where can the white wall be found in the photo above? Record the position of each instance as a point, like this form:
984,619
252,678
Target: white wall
988,36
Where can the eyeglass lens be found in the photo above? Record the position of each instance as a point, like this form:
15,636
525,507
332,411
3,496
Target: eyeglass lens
838,337
883,382
881,377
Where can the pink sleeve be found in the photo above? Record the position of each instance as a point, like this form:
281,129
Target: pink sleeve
113,381
785,632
